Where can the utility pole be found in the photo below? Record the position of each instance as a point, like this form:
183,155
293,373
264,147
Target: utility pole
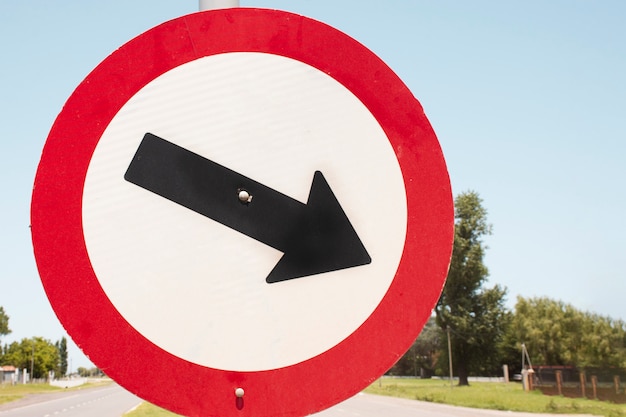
527,374
32,362
449,354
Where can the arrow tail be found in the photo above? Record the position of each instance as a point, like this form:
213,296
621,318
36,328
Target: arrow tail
212,190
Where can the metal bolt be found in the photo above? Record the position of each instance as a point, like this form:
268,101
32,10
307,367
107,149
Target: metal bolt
244,196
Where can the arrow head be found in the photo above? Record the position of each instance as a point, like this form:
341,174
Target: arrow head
323,240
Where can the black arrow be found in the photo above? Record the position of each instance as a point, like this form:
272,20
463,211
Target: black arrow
315,237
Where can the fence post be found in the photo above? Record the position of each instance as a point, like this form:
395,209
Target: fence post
583,382
559,382
616,383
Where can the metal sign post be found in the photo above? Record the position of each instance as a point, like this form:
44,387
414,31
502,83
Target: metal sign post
217,4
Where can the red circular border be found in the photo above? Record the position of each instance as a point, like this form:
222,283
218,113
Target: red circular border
149,371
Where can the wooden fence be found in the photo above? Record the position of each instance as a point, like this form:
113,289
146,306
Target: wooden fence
606,384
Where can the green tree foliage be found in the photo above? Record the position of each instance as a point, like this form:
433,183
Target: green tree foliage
61,346
556,333
485,335
91,372
427,347
475,314
603,342
4,323
37,353
421,358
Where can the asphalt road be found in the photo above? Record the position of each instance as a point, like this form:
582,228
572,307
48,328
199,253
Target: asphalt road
113,401
364,405
107,401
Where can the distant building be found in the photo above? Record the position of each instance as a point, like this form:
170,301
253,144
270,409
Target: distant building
8,374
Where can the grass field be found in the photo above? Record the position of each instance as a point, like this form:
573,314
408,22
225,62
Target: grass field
490,395
10,393
497,396
149,410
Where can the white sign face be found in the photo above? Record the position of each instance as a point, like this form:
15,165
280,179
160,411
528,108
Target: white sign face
196,288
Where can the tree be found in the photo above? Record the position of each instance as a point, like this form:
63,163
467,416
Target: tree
62,348
540,324
36,353
91,372
4,323
556,333
422,356
427,348
603,342
475,315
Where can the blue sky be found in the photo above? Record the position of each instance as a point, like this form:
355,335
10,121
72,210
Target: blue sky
528,99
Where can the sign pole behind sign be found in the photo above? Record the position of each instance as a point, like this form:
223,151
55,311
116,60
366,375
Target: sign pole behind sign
217,4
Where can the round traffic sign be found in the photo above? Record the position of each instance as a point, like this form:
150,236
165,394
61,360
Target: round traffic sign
242,212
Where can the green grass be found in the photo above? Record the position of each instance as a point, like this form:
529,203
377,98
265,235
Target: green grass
489,395
149,410
10,393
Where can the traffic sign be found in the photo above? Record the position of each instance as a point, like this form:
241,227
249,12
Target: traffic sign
242,212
